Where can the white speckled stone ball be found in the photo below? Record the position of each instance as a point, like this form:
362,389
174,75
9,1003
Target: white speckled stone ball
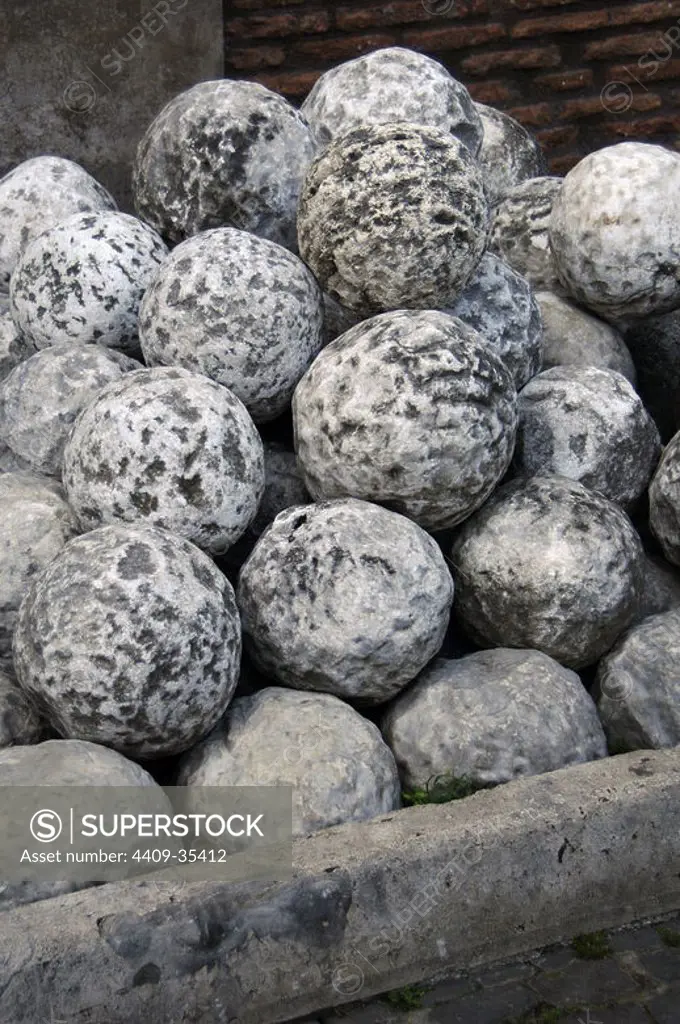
339,766
20,723
393,216
664,501
168,447
14,347
550,565
519,231
413,410
509,155
615,231
394,84
223,153
242,310
36,196
83,281
344,597
131,638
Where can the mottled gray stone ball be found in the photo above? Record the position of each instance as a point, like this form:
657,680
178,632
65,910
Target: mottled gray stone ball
589,425
223,153
344,597
242,310
664,501
409,409
169,447
283,486
35,524
130,637
550,565
83,281
661,590
393,216
394,84
492,716
36,196
654,345
615,231
500,304
20,723
335,759
572,337
509,154
519,231
14,347
42,396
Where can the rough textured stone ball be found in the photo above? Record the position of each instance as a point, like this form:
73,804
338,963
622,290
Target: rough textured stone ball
36,196
344,597
615,231
589,425
223,153
519,231
41,398
394,84
410,409
168,447
336,761
664,501
509,155
242,310
20,723
550,565
393,216
14,347
500,304
131,638
83,281
490,717
654,345
661,590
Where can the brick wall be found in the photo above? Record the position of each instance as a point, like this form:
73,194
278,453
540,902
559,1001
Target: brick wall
581,74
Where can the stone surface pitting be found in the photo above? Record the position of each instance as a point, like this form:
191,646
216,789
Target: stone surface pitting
519,231
509,154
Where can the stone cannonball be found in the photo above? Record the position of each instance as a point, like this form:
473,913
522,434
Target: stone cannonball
664,501
509,154
519,231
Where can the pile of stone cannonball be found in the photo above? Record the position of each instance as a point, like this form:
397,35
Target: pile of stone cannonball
341,464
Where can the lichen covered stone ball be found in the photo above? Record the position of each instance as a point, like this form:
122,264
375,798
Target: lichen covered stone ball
664,501
508,155
519,231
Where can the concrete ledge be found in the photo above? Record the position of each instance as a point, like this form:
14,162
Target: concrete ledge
373,907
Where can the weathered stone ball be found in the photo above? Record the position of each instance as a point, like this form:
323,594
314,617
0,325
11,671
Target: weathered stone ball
500,304
14,347
20,723
344,597
664,501
654,344
393,84
335,759
519,231
413,410
223,153
548,564
242,310
38,195
509,154
589,425
393,216
42,396
167,447
490,717
131,638
615,231
83,281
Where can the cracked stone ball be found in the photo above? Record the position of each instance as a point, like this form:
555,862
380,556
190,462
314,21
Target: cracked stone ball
131,638
664,501
509,154
337,762
344,597
168,447
490,717
413,410
20,723
223,153
654,345
14,347
615,231
393,216
242,310
519,231
548,564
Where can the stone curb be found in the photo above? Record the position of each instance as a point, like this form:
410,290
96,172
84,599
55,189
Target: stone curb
414,895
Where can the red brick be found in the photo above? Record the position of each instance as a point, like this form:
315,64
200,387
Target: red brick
273,26
533,116
561,81
255,58
560,165
532,5
256,5
453,37
340,48
551,138
493,92
649,127
636,45
644,13
594,105
583,21
538,57
658,71
400,12
289,83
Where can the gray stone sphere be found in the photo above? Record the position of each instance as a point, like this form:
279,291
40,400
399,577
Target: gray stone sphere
131,638
83,281
654,345
168,447
664,501
14,347
223,153
393,84
490,717
500,304
20,723
519,231
661,591
509,154
335,759
42,396
550,565
242,310
409,409
38,195
393,216
615,231
344,597
589,425
283,486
